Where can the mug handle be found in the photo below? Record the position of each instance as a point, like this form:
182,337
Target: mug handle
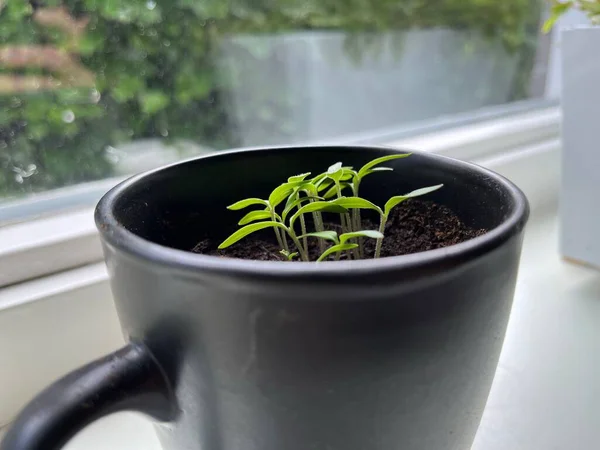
128,379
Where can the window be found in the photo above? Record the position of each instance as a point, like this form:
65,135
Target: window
94,90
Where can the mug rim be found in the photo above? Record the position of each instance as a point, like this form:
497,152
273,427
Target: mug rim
116,235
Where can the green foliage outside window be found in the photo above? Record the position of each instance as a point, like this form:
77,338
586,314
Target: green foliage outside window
77,76
559,7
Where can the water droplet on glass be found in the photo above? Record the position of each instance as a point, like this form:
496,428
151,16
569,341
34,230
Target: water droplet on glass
164,133
113,155
167,43
95,96
150,4
21,174
68,116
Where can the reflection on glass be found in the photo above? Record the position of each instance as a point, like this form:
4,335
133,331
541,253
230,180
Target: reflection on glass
94,88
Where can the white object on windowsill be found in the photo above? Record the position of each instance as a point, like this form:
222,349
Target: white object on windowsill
580,216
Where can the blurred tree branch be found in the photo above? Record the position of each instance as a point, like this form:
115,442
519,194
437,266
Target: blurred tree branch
59,17
67,70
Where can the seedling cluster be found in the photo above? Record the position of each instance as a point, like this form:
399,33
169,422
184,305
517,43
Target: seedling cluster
302,195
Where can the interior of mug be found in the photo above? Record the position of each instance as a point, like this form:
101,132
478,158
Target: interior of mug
181,204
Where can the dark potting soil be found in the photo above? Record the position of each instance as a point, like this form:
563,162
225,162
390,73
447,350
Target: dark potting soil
414,226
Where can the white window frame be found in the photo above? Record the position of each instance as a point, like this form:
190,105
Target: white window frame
56,309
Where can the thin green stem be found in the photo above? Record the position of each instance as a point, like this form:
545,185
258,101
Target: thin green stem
349,223
318,219
344,224
352,227
356,252
382,223
347,228
301,250
303,222
303,228
345,220
280,241
285,242
357,221
338,188
361,245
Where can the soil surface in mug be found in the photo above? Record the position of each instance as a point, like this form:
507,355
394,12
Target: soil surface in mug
414,226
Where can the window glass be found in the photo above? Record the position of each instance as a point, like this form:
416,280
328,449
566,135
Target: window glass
91,89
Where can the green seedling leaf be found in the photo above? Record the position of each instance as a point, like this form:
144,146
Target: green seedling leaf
364,233
309,188
324,184
356,203
281,192
332,191
394,201
318,206
289,256
378,169
247,202
348,173
300,177
423,191
249,229
364,169
289,207
335,249
253,216
327,235
316,180
557,10
335,172
292,197
335,168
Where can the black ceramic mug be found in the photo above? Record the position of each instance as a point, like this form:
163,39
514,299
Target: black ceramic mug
395,353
